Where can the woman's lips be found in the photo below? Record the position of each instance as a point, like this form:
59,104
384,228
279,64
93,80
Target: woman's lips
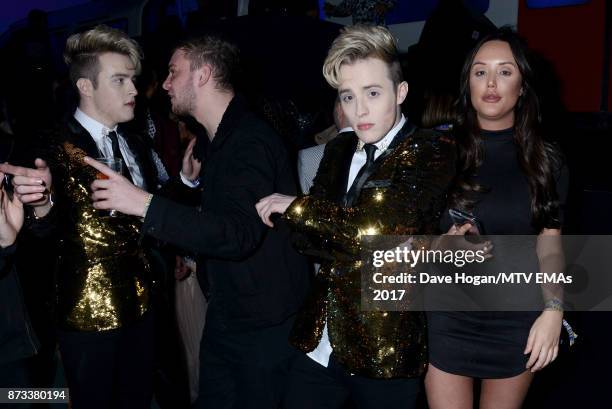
364,127
491,98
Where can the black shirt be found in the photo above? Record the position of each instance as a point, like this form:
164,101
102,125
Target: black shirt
504,208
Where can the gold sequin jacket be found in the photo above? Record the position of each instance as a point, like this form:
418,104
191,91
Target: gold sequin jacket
404,194
103,279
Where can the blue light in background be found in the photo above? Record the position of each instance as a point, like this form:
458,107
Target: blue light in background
322,15
409,11
542,4
12,11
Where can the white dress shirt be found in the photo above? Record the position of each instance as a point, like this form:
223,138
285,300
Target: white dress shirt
99,133
324,350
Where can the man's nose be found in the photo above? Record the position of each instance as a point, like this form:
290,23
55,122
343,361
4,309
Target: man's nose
362,107
132,90
166,84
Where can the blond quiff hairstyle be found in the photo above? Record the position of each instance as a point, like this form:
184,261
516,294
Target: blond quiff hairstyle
359,42
82,51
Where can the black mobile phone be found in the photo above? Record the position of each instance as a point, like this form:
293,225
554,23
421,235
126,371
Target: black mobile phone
460,218
7,184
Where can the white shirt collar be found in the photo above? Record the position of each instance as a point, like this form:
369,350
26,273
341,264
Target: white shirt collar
95,128
384,143
346,129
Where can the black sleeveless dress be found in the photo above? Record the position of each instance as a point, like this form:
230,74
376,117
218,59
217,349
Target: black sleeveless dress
479,344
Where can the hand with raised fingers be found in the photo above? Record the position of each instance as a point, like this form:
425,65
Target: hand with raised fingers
191,166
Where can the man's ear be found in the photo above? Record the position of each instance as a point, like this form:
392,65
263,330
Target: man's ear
402,92
203,75
85,86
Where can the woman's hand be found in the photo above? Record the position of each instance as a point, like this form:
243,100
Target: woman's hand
459,230
447,243
32,186
11,217
543,341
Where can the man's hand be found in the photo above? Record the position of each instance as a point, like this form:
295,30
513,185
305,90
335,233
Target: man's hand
11,217
191,166
116,192
275,203
32,186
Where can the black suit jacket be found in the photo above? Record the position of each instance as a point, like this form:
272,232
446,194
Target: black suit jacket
251,274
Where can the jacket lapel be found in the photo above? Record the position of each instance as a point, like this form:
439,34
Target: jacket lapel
401,136
142,155
79,136
345,157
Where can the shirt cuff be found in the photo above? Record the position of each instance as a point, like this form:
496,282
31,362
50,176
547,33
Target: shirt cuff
190,183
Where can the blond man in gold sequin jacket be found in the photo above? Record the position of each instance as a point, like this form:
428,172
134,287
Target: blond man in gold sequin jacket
387,177
104,276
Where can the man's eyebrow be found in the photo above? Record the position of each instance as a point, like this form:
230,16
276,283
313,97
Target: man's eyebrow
121,75
344,90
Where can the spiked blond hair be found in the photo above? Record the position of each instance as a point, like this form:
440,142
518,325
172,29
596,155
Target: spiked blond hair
359,42
82,51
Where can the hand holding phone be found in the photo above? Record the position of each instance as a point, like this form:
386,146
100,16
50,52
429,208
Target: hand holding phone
460,218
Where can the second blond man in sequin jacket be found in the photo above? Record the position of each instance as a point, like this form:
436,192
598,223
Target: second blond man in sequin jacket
388,177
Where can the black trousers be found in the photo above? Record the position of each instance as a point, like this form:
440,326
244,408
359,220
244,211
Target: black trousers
244,369
313,386
110,369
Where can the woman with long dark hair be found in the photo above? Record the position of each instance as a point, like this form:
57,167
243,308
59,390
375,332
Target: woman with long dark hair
510,179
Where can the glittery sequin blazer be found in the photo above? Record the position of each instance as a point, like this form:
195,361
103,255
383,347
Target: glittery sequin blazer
103,271
404,193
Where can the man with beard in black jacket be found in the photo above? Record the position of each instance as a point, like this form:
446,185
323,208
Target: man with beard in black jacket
254,280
